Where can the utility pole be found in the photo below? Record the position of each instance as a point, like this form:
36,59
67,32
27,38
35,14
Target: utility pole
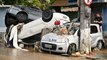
85,18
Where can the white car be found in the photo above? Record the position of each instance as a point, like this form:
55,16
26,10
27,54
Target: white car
31,31
70,43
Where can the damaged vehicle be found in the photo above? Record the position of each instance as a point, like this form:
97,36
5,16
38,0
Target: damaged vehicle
24,14
68,42
30,32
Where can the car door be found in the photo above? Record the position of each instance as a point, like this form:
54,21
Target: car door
94,34
74,37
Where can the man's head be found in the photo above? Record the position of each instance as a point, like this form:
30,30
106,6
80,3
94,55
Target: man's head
98,15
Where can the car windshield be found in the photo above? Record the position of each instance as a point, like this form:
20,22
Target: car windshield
73,30
66,29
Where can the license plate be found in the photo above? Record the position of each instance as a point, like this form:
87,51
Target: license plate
48,46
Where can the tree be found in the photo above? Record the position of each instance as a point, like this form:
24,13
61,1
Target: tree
42,4
9,2
14,2
85,18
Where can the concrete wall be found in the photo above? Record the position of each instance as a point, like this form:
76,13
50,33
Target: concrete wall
3,9
2,18
104,25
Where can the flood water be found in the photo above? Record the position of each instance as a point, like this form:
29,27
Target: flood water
15,54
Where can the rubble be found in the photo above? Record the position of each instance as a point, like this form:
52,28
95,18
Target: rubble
77,54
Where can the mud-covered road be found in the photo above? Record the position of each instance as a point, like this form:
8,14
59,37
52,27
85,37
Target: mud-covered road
14,54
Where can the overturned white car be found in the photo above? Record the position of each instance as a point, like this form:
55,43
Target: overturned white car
70,42
30,32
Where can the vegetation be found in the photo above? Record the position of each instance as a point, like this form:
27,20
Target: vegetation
35,3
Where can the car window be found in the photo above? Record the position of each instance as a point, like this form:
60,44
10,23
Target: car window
73,30
93,29
78,34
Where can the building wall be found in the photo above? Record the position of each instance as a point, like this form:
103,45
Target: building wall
104,25
96,8
71,15
102,9
2,18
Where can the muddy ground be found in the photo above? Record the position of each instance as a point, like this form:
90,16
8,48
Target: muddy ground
15,54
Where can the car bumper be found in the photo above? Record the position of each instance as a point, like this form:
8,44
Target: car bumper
55,47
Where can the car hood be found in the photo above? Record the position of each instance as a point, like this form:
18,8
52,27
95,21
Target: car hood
52,37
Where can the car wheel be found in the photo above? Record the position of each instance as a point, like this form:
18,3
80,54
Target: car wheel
71,49
21,45
9,20
21,17
47,15
99,45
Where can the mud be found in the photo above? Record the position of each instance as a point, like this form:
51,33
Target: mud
15,54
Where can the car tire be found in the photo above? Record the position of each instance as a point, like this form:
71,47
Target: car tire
21,16
100,45
9,20
47,15
71,49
